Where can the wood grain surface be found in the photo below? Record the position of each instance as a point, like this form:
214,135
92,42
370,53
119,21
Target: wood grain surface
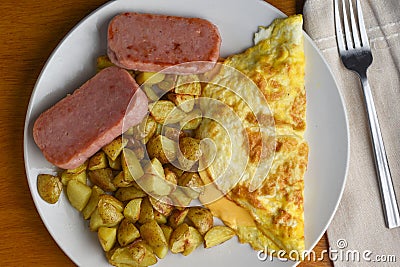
29,32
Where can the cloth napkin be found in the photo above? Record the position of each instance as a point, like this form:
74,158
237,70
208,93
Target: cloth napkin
358,224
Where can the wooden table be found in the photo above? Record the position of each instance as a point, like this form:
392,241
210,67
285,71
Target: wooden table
30,30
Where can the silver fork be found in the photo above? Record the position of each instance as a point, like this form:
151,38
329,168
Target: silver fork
356,56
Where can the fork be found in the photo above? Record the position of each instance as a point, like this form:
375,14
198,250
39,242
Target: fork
355,53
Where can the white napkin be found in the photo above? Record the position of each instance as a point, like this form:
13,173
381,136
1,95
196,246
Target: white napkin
358,227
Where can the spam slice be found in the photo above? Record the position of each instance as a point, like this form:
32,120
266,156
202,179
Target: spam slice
80,124
151,43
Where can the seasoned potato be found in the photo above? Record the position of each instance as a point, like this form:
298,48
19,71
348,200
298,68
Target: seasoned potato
103,179
80,168
162,148
174,169
188,85
167,230
192,120
121,257
163,205
168,83
149,77
154,236
172,132
139,149
155,185
98,161
142,253
129,193
49,187
109,215
217,235
146,211
78,194
179,198
165,112
154,167
177,217
66,176
201,218
190,152
127,232
132,210
111,200
194,240
178,239
113,149
150,93
103,62
191,183
184,102
107,237
131,165
120,181
93,201
170,176
159,217
115,164
145,130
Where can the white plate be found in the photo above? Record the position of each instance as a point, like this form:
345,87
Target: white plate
73,62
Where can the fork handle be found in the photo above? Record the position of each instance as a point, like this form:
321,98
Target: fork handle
389,202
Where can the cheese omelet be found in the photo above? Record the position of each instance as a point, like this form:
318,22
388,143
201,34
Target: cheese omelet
262,155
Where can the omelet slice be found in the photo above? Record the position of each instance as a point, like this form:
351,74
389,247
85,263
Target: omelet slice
261,154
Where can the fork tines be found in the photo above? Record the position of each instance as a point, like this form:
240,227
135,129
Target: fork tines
355,35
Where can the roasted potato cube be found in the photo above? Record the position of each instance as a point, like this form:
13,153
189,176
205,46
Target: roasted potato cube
194,240
174,169
132,210
191,184
172,132
162,148
110,210
98,161
127,232
121,257
113,217
165,112
115,164
78,194
145,130
192,120
107,237
120,181
142,253
217,235
160,218
190,152
67,176
80,168
163,205
131,165
151,94
129,193
103,62
103,179
114,148
178,239
201,218
154,167
177,217
49,187
167,230
168,83
155,185
154,236
149,77
179,198
170,176
184,102
93,201
188,85
146,211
